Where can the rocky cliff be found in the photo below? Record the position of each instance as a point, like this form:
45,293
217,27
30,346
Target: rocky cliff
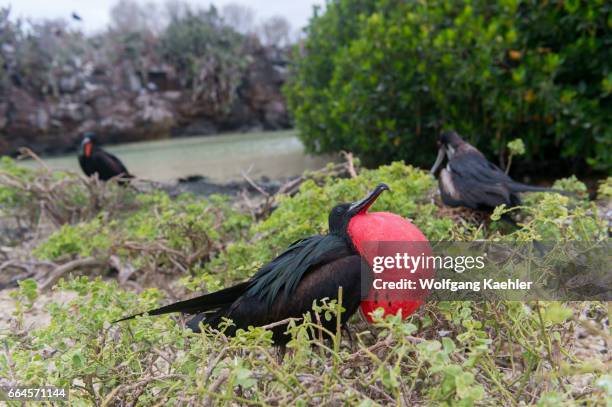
123,103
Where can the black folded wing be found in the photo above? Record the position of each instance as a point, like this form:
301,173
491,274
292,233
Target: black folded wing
286,271
479,183
108,166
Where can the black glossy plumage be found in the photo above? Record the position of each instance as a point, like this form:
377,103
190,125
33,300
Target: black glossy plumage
284,273
322,281
471,181
309,269
98,161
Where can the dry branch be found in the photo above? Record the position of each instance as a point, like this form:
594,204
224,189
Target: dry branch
108,400
45,195
66,268
348,156
252,183
281,322
291,187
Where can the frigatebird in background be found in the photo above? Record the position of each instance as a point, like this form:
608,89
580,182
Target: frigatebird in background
310,269
94,160
471,181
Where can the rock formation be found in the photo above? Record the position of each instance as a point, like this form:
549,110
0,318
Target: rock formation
121,103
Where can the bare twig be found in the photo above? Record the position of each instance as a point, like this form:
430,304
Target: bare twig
108,400
212,364
292,186
281,322
125,271
252,183
348,156
66,268
25,152
215,385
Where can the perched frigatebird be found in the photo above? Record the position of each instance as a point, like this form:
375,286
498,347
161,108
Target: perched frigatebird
471,181
94,160
310,269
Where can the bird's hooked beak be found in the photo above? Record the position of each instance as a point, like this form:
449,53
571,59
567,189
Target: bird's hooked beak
439,160
363,205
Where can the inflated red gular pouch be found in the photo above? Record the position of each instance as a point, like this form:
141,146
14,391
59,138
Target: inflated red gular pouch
383,235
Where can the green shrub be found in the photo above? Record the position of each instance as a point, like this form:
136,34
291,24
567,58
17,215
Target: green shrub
10,197
382,78
448,353
604,191
36,198
207,55
306,214
153,359
164,234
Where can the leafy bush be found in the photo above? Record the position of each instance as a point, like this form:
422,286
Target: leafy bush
381,78
206,53
163,235
35,54
605,189
191,44
306,213
10,197
154,359
40,195
449,353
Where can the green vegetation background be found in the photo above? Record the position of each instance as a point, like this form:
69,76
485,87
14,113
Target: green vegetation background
449,353
379,78
382,78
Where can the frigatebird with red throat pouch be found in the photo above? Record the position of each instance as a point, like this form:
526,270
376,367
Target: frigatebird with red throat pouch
309,269
95,160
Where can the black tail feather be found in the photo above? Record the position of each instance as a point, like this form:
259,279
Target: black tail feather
519,187
218,299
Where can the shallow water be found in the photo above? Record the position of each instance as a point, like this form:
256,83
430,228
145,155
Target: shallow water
220,158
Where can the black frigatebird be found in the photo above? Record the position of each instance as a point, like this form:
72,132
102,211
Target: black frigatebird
471,181
94,160
309,269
